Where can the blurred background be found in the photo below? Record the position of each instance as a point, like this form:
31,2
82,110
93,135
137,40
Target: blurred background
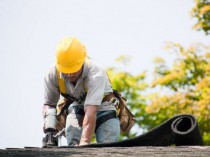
157,54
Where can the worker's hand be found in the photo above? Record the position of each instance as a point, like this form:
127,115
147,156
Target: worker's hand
83,143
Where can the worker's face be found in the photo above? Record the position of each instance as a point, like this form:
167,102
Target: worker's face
73,77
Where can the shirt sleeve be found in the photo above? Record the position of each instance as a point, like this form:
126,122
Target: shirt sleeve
51,90
95,93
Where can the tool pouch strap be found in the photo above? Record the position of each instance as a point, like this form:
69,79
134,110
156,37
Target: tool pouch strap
127,119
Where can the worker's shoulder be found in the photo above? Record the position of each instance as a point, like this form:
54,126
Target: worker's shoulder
93,69
51,72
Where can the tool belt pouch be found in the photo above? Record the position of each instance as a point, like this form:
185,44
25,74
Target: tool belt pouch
125,116
62,110
61,117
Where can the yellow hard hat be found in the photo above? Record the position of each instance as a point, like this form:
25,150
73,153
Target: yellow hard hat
70,55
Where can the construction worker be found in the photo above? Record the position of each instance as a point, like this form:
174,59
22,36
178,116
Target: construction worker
88,85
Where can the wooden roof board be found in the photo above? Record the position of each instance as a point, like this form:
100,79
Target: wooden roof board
190,151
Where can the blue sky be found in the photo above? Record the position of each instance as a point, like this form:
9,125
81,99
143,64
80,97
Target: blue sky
30,30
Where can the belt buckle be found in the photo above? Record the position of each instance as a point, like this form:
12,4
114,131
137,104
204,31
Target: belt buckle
114,102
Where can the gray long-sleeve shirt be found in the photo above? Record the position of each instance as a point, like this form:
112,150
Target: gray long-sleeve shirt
93,79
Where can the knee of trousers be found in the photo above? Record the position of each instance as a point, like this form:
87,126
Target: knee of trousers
50,120
108,131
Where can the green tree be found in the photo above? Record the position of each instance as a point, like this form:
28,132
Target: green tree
201,12
185,87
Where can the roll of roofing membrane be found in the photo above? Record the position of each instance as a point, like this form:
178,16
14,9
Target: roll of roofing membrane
180,130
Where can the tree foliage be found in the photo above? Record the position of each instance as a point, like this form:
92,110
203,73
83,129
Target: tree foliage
182,87
201,12
185,87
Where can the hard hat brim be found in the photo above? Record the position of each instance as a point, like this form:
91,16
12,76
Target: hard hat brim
69,70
